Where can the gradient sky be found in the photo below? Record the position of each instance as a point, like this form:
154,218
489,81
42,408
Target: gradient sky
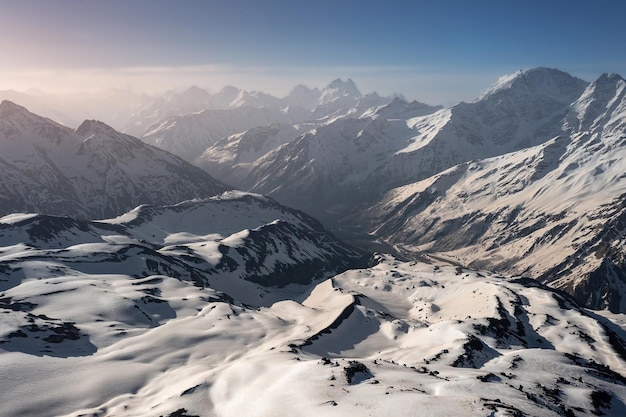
439,51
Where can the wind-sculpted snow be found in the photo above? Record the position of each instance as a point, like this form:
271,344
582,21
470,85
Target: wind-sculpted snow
228,242
393,339
89,172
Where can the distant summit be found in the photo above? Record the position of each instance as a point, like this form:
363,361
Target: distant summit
303,96
338,90
90,127
544,81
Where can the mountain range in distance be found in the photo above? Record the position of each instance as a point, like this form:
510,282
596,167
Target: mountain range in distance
136,280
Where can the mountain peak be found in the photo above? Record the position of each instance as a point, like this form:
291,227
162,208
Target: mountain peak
302,89
195,92
397,101
546,81
347,87
8,108
20,116
303,96
609,77
600,103
399,107
338,91
91,127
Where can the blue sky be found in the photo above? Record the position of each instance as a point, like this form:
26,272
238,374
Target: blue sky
440,51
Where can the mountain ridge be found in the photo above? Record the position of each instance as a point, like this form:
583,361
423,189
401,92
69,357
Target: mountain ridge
93,171
552,211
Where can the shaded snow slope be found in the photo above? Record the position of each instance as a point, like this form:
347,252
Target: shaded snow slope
230,159
328,169
93,171
230,241
387,340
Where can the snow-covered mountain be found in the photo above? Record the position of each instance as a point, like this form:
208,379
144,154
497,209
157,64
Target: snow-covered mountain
554,211
325,170
192,100
233,157
343,99
235,241
303,96
525,179
92,171
403,142
99,321
189,135
399,108
195,100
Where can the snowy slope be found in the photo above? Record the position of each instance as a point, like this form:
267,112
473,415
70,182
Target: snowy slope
92,171
387,340
189,135
230,159
554,211
325,171
231,306
191,100
229,241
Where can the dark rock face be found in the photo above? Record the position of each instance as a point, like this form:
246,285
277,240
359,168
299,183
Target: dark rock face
356,372
39,334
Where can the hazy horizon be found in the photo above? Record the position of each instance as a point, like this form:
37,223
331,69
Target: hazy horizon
439,53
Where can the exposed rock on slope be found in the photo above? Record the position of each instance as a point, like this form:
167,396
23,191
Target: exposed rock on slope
228,241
